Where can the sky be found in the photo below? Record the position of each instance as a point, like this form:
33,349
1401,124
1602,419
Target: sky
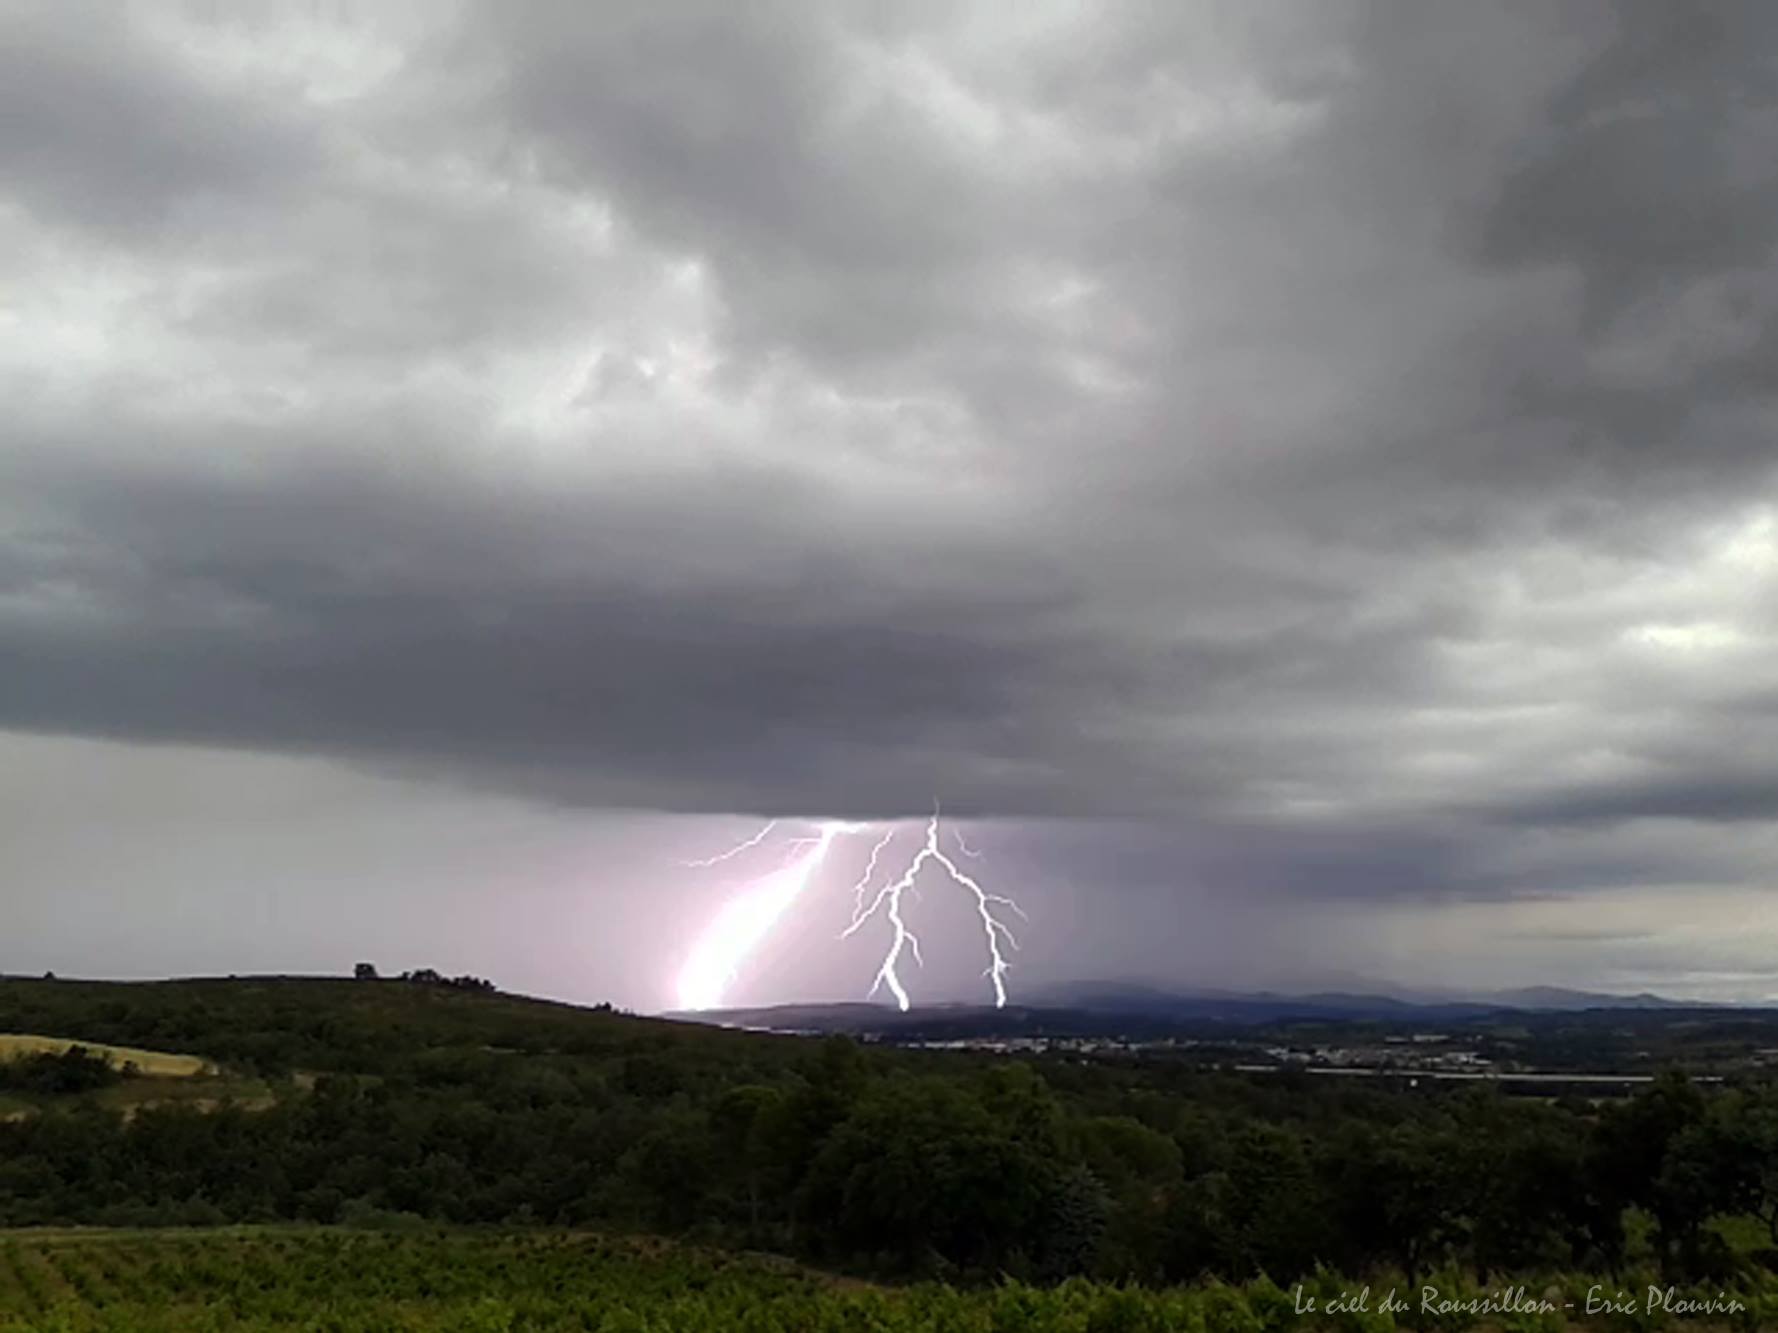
1296,482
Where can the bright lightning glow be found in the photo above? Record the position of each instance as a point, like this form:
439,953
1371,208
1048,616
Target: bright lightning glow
745,920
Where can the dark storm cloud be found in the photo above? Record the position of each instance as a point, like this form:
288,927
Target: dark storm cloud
106,131
1648,168
352,612
1344,432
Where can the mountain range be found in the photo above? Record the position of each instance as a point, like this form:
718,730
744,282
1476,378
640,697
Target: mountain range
1093,1005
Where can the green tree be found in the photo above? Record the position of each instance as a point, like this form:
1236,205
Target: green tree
921,1170
1274,1204
742,1122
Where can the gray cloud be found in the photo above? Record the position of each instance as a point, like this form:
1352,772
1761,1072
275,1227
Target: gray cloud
1343,436
110,131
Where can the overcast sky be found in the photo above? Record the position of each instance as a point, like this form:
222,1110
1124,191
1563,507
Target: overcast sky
1295,480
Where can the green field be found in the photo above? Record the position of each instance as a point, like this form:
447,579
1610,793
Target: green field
175,1281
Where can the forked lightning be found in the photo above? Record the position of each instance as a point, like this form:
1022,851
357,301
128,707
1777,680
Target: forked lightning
745,921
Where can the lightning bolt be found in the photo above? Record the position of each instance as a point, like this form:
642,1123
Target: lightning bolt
870,871
745,920
888,901
745,846
995,932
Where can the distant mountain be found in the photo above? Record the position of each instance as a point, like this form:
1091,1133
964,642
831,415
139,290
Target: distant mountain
854,1016
1133,1008
1379,999
1560,997
1246,1007
1173,1015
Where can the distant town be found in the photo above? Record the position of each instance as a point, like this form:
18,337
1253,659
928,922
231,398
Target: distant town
1411,1058
1595,1050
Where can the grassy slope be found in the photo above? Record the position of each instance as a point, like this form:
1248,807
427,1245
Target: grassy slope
219,1017
250,1035
162,1077
154,1064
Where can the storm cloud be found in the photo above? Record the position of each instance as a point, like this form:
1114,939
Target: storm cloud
1335,440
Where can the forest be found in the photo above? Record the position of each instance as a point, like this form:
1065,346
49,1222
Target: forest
399,1104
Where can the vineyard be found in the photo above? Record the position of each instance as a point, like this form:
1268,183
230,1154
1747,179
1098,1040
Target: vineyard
341,1281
